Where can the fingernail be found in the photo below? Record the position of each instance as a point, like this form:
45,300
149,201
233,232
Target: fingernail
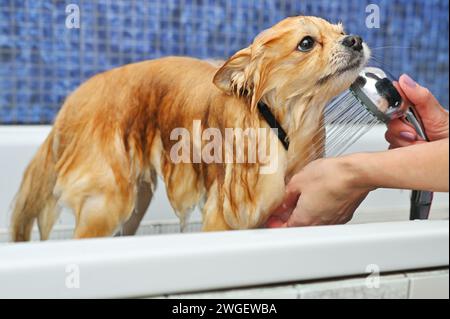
409,81
408,136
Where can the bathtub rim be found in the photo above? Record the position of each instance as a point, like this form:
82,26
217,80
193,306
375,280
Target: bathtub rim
127,267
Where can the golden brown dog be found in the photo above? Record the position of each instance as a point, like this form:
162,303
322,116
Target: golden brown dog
113,135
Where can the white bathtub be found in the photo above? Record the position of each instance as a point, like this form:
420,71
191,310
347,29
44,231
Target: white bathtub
151,265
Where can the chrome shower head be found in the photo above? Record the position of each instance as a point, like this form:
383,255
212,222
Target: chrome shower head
376,91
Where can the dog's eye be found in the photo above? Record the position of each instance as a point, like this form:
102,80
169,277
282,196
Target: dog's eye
306,44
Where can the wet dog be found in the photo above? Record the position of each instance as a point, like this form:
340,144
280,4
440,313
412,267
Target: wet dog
115,134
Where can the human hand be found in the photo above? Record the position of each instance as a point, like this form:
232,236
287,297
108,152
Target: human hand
434,117
325,192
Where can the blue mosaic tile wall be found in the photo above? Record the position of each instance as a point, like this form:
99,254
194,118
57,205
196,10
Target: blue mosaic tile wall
41,60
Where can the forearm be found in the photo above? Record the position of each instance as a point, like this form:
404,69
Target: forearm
421,167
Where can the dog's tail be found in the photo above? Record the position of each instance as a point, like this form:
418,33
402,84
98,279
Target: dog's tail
35,197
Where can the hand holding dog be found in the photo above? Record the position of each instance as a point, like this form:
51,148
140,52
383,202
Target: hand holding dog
323,193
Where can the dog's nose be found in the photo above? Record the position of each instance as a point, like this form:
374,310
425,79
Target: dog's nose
353,42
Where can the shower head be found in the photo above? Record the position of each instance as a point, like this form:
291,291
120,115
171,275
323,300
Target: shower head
372,99
376,91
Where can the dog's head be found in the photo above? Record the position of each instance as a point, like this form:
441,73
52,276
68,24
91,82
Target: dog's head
298,56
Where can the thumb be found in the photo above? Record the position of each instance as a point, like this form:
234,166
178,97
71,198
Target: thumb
282,213
424,101
287,205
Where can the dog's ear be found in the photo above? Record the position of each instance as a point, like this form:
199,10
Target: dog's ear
231,77
245,73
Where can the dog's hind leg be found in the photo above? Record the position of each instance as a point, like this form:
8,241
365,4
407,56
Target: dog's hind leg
47,218
101,215
100,202
144,197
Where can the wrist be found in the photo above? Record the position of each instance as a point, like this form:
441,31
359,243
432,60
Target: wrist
358,168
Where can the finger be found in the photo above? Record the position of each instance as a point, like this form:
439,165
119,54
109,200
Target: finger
398,141
421,97
397,126
348,216
287,205
400,90
301,218
283,216
275,222
290,199
405,101
347,219
344,220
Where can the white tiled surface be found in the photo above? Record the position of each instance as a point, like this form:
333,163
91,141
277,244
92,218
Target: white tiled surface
429,285
148,227
389,287
416,284
278,292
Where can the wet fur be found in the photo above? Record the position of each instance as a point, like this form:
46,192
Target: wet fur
112,136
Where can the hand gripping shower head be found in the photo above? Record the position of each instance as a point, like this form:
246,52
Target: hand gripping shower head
376,92
371,99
